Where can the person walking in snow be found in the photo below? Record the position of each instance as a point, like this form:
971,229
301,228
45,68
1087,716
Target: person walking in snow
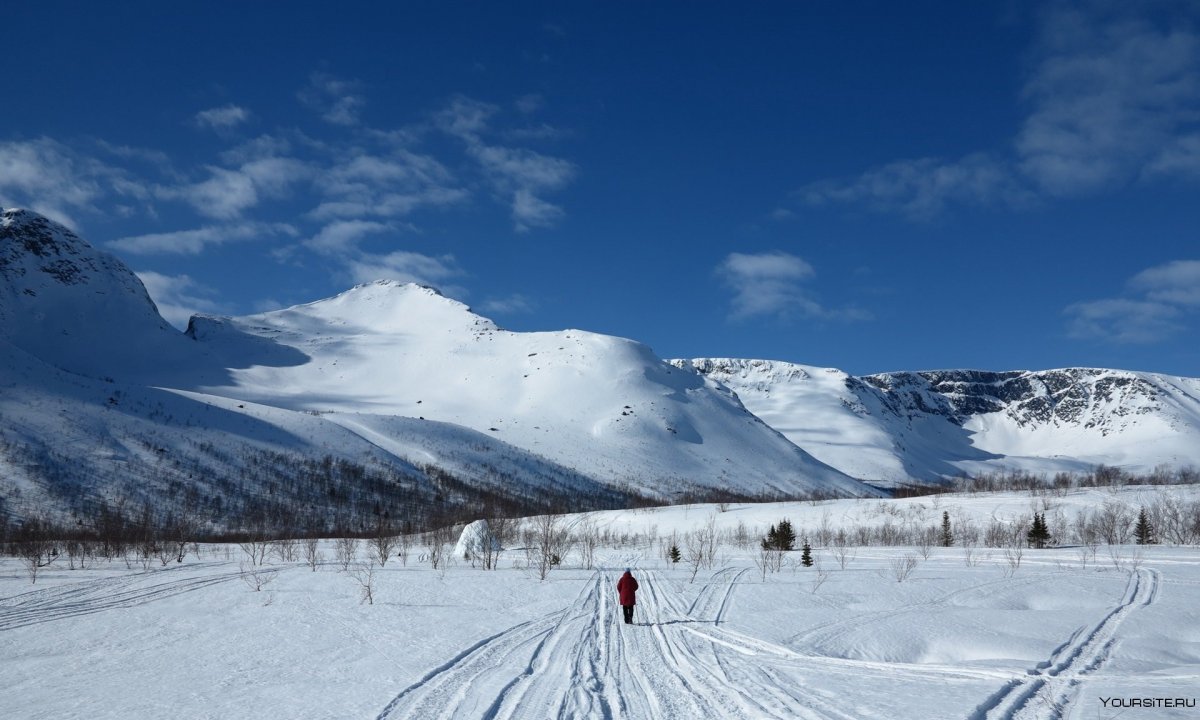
627,591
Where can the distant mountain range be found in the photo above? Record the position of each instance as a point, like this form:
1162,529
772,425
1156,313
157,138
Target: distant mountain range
393,393
895,428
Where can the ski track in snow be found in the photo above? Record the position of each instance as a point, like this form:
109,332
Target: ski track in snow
103,594
1050,690
584,662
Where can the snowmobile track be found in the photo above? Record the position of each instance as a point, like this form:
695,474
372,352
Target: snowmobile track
1051,688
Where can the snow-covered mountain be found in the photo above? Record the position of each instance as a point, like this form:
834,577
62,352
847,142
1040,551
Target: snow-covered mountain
896,427
97,391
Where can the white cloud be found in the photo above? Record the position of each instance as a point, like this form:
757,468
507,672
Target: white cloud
392,186
767,284
178,297
50,178
530,211
194,242
407,266
924,188
343,236
1176,282
518,174
339,102
515,304
222,118
1111,96
228,193
1123,321
1163,299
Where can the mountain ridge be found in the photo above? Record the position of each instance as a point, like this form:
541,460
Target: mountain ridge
934,424
395,379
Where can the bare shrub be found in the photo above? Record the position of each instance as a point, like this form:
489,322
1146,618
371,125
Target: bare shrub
547,544
312,553
1012,558
903,567
255,550
587,538
364,575
256,577
345,550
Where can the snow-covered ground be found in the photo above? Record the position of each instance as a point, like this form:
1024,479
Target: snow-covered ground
1053,639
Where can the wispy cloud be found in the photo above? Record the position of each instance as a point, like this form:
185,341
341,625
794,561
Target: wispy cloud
178,297
521,175
387,186
194,242
923,188
515,304
338,101
1176,282
405,266
343,236
228,192
1158,304
222,118
767,284
1114,95
1112,99
53,179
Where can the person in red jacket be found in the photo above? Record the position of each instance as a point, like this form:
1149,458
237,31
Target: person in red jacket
627,590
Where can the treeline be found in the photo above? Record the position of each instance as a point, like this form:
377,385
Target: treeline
1101,476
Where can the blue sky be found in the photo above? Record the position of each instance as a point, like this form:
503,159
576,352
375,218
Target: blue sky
868,186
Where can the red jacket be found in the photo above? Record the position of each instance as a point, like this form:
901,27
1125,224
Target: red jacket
627,588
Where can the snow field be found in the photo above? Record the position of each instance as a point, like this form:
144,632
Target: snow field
954,639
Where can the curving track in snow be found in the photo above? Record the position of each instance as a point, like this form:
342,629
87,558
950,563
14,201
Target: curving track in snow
103,594
1050,690
675,662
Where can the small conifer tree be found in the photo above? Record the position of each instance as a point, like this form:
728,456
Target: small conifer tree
947,536
1039,534
674,554
1144,530
787,536
781,537
806,554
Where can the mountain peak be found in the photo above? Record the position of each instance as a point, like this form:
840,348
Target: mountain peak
387,306
65,301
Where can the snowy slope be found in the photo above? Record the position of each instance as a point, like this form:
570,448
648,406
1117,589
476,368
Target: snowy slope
99,397
603,405
895,427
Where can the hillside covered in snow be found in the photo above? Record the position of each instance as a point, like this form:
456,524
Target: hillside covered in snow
388,393
894,428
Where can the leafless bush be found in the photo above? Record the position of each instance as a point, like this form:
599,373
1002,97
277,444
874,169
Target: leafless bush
843,551
256,577
345,550
364,575
902,567
547,544
1114,523
255,549
436,552
284,549
768,560
312,553
1012,558
741,536
403,546
381,547
820,575
587,538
